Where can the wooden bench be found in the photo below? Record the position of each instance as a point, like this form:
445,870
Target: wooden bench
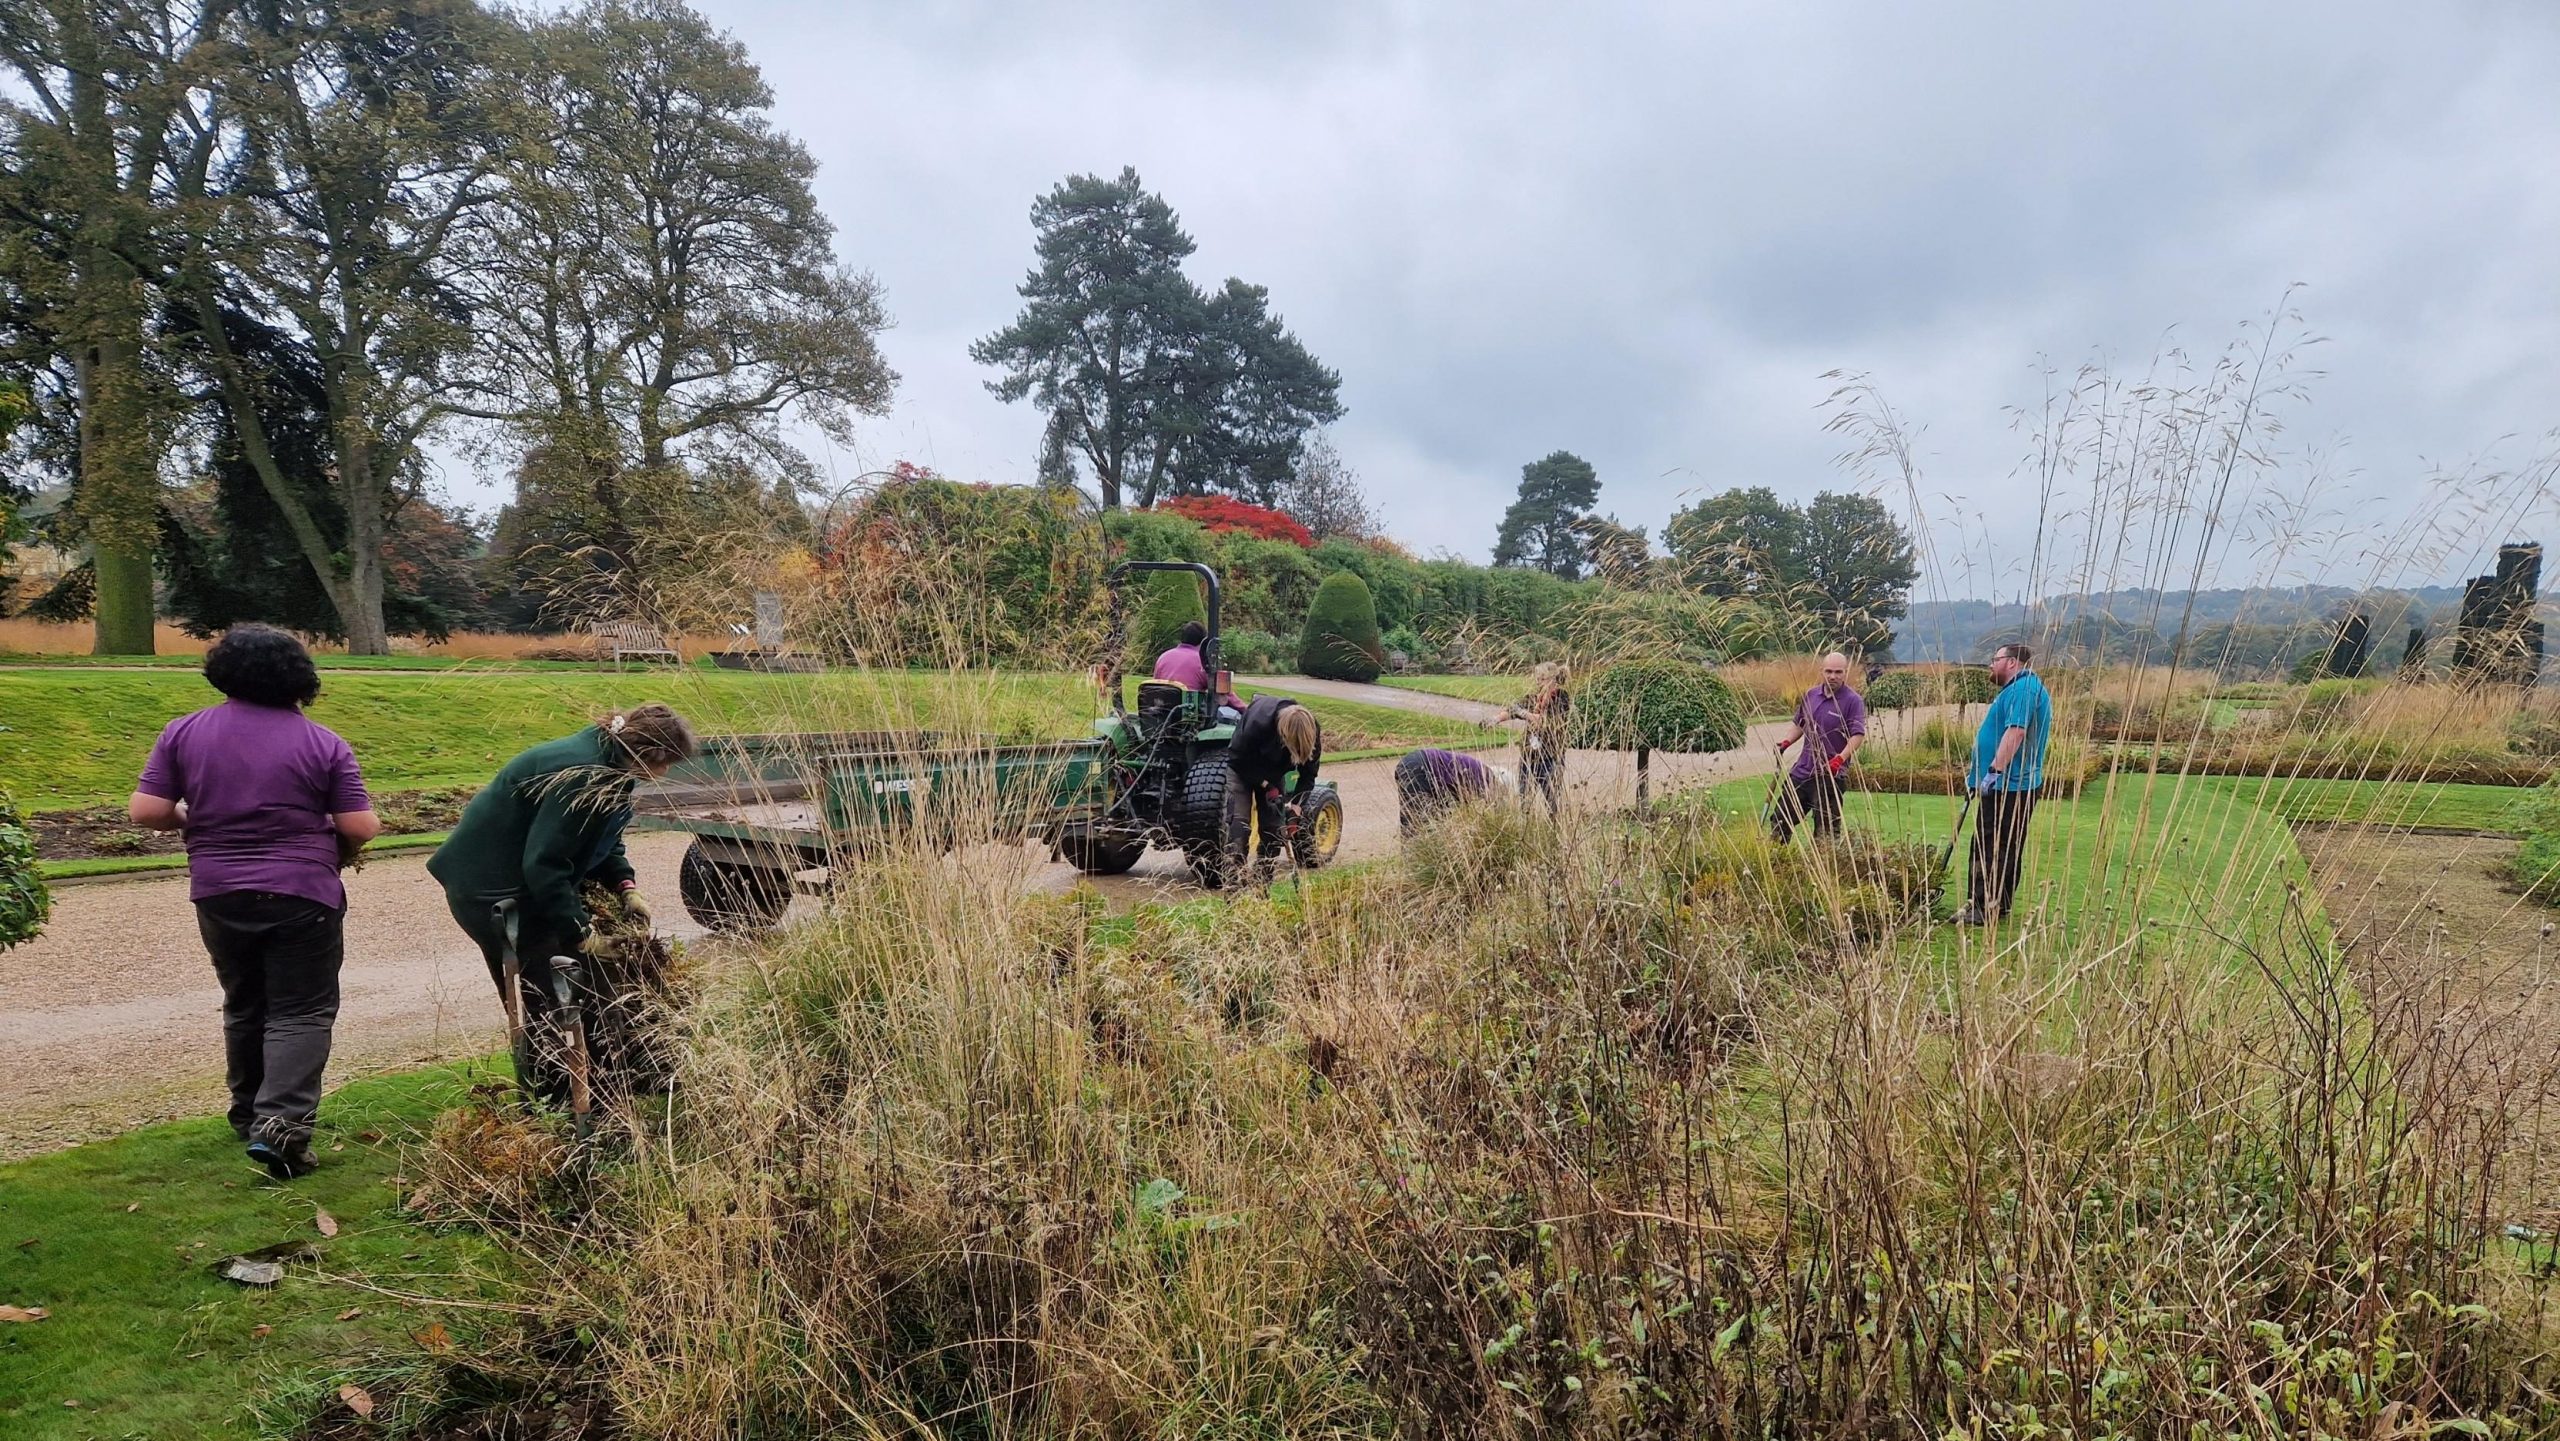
618,641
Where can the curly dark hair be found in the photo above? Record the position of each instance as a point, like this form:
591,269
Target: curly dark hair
263,666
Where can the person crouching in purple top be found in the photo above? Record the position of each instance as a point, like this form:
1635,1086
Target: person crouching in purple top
272,806
1832,722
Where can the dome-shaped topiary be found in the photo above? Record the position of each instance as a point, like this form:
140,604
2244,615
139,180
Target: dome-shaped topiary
24,902
1650,705
1341,640
1905,688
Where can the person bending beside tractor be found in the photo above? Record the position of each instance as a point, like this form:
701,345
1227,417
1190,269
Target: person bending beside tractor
1432,783
1276,737
1832,722
272,807
1548,709
2008,770
548,824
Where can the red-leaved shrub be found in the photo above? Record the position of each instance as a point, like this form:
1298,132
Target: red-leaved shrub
1224,512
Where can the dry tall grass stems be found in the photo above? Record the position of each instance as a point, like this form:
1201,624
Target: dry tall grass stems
1601,1128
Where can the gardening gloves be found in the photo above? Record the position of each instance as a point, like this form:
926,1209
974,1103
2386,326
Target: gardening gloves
1990,782
636,906
1839,764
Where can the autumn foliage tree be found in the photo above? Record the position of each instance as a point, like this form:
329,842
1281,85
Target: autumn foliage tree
1225,514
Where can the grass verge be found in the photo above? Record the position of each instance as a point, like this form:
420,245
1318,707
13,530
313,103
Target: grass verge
117,1239
78,739
1489,689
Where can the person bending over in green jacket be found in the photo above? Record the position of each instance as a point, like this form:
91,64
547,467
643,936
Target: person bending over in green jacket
550,822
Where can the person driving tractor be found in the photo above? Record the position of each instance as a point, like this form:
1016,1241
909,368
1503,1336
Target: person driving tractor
1182,665
1276,737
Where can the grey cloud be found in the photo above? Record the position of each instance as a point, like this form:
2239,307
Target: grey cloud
1644,232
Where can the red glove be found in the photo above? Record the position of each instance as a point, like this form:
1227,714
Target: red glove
1839,764
1782,746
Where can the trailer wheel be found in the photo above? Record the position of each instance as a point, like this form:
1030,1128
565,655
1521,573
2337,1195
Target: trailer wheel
731,895
1321,834
1100,854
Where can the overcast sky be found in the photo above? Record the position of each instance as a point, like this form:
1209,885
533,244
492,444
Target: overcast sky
1644,233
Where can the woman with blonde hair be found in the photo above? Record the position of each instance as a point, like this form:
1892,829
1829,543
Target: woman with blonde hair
1548,707
550,822
1278,741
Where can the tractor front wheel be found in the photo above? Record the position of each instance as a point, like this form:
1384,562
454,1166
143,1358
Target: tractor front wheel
1319,830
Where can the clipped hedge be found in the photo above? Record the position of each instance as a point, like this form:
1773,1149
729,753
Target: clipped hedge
1341,640
1902,689
24,901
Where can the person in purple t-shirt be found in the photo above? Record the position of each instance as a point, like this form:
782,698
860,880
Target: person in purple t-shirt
272,806
1832,721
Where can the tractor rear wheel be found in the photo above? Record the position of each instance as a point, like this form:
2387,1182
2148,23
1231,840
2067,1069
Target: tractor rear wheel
731,895
1200,819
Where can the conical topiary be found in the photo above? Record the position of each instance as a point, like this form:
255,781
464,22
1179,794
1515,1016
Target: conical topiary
1341,640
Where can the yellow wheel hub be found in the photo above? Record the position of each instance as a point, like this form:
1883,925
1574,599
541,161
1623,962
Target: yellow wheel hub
1328,830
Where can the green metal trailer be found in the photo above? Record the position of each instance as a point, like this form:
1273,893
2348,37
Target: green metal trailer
765,811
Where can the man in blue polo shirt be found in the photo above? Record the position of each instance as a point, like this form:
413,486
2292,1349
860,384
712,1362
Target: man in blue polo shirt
2008,767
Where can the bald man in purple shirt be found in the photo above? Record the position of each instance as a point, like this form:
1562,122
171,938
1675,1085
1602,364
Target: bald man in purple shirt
1832,722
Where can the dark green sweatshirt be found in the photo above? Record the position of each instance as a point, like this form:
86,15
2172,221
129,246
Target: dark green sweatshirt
552,819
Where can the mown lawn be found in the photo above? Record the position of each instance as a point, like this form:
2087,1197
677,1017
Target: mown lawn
2123,857
117,1240
1490,689
72,739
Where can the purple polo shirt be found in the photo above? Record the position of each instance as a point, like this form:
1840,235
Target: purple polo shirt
1181,666
1454,771
1828,723
260,784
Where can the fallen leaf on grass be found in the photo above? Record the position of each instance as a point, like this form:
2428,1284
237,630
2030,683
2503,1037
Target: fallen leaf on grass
136,1206
259,1331
370,1138
22,1245
351,1313
435,1337
358,1400
23,1313
264,1267
321,1218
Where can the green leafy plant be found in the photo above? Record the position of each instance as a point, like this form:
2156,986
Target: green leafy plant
1172,599
1903,689
1341,640
1650,705
24,901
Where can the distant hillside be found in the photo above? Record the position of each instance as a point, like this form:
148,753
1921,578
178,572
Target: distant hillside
1962,629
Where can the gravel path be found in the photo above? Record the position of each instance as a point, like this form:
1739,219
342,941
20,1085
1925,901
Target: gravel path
112,1018
1391,697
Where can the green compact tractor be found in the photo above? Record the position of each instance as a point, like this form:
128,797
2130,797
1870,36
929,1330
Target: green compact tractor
765,811
1169,762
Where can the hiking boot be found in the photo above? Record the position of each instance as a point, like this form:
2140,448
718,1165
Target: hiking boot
285,1161
1970,916
286,1156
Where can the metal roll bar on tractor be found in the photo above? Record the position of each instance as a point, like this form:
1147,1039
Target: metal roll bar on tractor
1110,675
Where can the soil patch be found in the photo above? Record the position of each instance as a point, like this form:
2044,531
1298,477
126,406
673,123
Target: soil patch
103,831
2446,950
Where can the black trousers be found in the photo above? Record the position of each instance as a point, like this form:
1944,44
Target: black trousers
1814,798
1542,771
1999,848
1244,798
538,1051
277,958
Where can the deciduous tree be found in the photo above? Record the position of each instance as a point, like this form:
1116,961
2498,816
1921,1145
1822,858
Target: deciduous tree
112,102
658,287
